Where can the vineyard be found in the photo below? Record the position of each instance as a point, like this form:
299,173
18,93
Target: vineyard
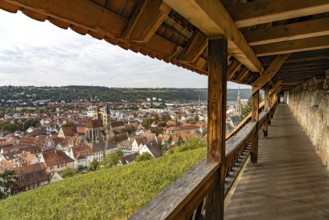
113,193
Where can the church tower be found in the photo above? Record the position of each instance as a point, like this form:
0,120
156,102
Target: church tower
106,115
238,103
107,122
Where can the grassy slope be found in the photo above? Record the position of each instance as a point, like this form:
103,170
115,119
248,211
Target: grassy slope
113,193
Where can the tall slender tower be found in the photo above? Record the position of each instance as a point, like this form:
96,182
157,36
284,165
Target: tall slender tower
238,102
199,102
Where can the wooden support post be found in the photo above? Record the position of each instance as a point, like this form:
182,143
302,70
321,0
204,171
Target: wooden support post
217,79
255,117
266,107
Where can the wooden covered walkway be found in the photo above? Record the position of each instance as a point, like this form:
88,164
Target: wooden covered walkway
289,180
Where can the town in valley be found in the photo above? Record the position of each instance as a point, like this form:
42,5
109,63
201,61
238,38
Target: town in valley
46,140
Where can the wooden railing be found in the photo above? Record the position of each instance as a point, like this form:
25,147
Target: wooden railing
186,198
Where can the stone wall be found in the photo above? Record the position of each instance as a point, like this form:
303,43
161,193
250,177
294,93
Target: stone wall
310,104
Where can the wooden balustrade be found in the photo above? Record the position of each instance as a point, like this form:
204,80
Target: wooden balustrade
185,198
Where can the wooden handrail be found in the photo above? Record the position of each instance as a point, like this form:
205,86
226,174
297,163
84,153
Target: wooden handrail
185,197
180,199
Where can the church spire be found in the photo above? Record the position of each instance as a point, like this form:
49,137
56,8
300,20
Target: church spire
238,102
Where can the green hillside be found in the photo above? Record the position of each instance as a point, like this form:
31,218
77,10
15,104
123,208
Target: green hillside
29,94
113,193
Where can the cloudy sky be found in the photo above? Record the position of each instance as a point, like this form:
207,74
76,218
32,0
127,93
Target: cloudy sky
41,54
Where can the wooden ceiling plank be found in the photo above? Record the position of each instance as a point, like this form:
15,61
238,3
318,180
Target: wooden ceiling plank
295,31
266,11
275,86
314,43
195,48
35,15
81,16
243,73
8,7
278,90
79,13
212,19
232,69
59,23
270,72
146,20
301,60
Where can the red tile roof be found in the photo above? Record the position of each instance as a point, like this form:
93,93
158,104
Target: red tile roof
55,157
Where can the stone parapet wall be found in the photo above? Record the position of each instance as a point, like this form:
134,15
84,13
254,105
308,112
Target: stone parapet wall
310,105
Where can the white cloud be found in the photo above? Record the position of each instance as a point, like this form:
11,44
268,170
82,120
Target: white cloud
39,53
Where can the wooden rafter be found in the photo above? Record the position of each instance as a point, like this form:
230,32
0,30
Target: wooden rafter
212,19
232,69
195,48
242,75
146,20
314,43
265,11
295,31
275,86
108,23
278,90
271,70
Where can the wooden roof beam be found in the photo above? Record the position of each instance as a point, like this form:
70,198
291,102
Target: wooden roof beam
195,48
275,86
265,11
79,13
232,69
270,72
242,75
295,31
212,19
278,90
314,43
146,20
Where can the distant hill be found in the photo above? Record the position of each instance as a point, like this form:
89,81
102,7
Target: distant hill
67,93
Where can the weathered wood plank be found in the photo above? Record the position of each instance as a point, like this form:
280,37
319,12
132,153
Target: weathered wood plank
195,48
271,70
229,181
233,68
255,118
79,13
212,19
314,43
266,107
146,20
217,80
216,99
294,31
173,199
243,74
8,7
266,11
275,86
240,138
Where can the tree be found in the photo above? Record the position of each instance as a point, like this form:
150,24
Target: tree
8,183
68,172
245,111
143,157
31,123
111,160
93,165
